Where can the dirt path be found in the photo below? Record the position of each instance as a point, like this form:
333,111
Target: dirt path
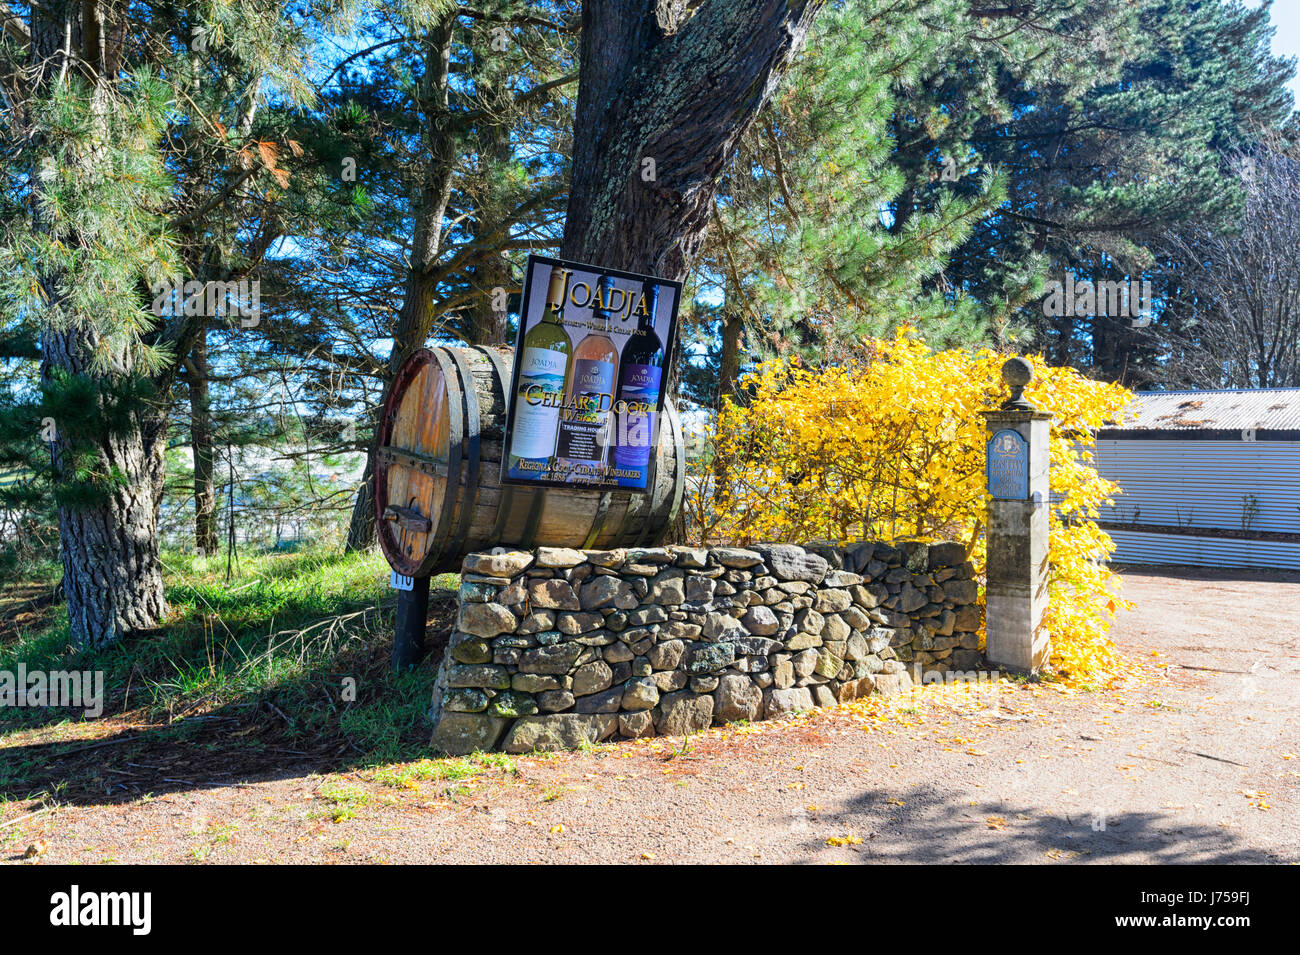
1193,767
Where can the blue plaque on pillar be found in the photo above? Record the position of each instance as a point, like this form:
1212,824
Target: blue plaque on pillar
1008,466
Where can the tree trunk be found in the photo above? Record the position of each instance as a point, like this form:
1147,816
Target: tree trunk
729,371
112,576
489,321
205,494
661,109
728,380
416,317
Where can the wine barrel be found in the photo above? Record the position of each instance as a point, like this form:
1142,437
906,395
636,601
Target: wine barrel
437,471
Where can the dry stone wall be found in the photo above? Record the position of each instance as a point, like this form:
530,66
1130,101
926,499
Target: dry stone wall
555,648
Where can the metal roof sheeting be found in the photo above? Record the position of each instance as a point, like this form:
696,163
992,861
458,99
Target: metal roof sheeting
1265,409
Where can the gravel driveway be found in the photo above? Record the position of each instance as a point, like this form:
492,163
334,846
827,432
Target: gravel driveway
1200,764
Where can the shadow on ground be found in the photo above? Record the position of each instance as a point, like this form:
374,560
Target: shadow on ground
293,728
946,828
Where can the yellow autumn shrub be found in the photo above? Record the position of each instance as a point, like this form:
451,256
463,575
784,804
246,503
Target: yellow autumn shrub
894,447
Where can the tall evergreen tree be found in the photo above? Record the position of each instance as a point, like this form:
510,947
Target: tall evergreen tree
804,253
98,95
1111,136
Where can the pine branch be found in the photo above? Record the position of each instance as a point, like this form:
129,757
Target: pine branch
13,25
190,218
464,119
519,19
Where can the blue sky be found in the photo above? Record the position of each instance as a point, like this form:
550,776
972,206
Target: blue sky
1286,42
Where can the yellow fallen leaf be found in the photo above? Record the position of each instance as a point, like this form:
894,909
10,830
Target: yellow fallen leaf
844,841
1061,854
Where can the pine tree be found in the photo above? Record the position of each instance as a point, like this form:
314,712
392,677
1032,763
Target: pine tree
100,101
801,253
1110,135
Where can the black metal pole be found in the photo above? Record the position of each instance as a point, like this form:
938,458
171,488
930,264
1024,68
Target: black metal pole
408,634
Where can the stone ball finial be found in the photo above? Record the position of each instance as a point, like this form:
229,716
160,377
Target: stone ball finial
1017,372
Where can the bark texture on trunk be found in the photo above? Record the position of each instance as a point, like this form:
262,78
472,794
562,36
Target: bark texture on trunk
729,372
489,322
112,576
661,109
490,325
205,494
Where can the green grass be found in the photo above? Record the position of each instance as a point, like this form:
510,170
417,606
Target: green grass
405,775
23,577
288,640
344,802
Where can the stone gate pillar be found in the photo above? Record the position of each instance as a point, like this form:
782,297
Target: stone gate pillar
1017,472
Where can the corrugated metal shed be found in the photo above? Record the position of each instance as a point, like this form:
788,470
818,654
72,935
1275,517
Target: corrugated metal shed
1209,478
1137,548
1240,486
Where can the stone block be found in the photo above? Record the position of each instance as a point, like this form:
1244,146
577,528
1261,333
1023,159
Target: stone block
558,731
736,698
553,595
679,714
779,704
636,725
479,675
559,557
458,734
503,564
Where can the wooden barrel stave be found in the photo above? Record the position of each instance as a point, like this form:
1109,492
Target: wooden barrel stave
403,486
450,404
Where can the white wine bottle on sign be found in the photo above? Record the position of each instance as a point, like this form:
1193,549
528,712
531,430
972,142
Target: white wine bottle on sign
543,373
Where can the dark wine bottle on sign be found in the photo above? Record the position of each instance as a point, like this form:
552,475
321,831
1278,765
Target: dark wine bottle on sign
640,383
